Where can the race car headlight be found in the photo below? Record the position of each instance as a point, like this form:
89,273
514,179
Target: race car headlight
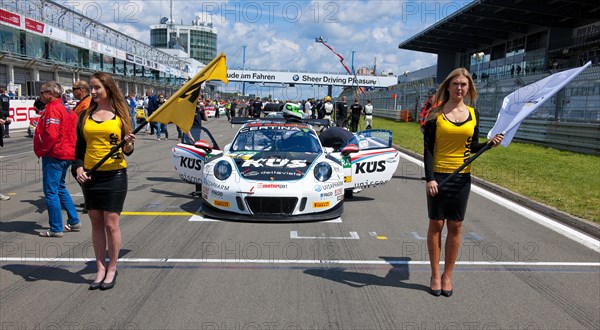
222,170
323,171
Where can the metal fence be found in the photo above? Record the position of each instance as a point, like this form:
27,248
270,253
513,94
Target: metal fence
570,120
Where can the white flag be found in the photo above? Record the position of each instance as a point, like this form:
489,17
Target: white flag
522,102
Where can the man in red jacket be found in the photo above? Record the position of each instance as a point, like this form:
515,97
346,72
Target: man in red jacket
54,142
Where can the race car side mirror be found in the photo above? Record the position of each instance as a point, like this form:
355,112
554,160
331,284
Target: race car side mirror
349,149
204,145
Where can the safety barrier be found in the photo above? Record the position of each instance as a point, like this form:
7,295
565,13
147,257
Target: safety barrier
402,115
576,137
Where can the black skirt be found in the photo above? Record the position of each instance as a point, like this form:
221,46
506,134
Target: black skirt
106,191
451,201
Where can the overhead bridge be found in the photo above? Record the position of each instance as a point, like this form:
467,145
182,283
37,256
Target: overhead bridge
308,78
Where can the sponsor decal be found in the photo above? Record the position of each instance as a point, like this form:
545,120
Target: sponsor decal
326,195
370,167
191,163
339,191
221,203
346,162
319,205
274,126
318,188
347,178
205,189
215,185
287,163
332,185
271,186
216,193
339,198
370,184
190,179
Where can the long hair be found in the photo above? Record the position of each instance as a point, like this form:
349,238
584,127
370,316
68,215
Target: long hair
117,101
443,96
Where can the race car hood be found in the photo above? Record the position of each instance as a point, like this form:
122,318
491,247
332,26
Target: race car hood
273,166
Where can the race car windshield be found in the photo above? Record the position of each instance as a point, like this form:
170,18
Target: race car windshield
276,140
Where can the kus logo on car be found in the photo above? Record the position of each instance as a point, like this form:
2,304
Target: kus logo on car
191,163
370,167
288,163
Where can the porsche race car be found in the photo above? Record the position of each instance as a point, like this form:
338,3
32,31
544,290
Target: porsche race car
277,170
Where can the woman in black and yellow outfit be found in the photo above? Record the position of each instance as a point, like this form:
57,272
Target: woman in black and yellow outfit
451,136
101,127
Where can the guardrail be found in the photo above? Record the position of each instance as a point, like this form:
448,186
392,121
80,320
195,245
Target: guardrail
402,115
576,137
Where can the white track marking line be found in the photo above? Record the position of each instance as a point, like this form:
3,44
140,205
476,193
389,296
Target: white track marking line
17,154
302,261
547,222
294,235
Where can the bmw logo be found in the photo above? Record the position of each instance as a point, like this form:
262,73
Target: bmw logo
318,188
296,77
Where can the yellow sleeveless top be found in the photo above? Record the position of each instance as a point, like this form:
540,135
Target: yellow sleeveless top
100,137
453,143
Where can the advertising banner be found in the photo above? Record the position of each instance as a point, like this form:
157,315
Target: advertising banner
10,18
21,111
34,26
311,78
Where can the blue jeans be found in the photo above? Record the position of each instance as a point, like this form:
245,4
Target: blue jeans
54,172
162,127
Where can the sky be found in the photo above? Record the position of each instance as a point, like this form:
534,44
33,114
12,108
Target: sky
280,35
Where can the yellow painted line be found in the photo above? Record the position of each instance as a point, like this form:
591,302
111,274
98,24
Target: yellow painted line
381,237
187,214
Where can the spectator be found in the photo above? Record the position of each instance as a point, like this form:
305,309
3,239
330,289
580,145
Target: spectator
54,142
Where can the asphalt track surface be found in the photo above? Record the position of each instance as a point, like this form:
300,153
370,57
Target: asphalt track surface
367,270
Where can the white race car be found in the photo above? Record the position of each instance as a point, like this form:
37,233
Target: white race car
279,171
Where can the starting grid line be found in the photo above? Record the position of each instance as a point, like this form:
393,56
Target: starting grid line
304,262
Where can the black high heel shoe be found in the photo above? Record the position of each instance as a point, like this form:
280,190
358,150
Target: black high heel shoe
447,293
96,285
433,292
108,286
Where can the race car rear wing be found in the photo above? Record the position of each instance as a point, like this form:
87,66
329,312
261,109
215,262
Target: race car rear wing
315,122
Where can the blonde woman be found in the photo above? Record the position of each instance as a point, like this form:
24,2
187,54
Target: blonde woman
451,135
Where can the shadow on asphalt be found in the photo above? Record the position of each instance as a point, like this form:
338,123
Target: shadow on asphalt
163,179
394,278
39,203
32,273
176,194
59,273
25,227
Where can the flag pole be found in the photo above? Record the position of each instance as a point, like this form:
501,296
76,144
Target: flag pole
114,149
467,162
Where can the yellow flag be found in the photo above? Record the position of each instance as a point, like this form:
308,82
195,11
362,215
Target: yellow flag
181,107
